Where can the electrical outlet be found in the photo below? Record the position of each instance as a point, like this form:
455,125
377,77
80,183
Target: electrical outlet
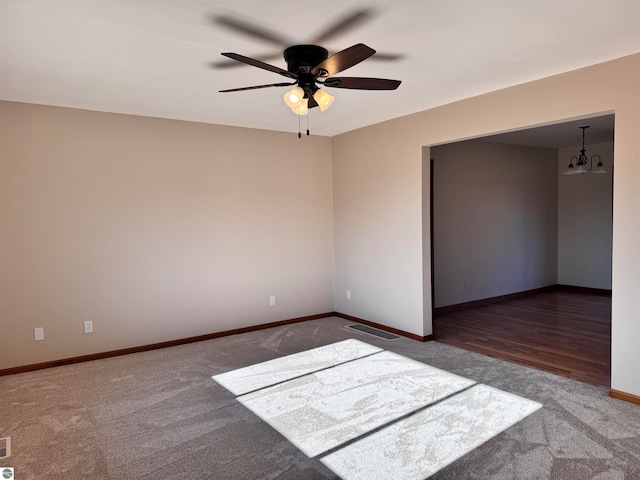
38,334
466,283
272,300
88,326
348,294
530,273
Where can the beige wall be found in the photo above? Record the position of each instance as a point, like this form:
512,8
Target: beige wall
585,217
495,220
379,199
154,230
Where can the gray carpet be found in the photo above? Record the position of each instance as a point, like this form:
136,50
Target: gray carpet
159,415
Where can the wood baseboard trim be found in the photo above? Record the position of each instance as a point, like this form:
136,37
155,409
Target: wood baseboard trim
627,397
379,326
583,290
485,301
201,338
155,346
510,296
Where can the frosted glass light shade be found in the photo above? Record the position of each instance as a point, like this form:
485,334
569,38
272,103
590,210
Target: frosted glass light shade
302,108
580,169
324,99
293,98
599,168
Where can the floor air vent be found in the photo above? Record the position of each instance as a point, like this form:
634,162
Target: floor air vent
374,332
5,447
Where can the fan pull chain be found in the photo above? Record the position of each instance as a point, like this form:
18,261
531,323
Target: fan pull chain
299,126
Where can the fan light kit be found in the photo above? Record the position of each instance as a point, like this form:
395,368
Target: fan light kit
310,67
582,160
296,101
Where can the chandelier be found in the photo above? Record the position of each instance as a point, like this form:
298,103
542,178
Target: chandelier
583,164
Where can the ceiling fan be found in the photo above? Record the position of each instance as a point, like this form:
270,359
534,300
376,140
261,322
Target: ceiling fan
310,67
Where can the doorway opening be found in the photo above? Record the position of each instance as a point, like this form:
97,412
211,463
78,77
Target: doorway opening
521,254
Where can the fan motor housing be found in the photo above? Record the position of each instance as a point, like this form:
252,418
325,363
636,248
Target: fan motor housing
302,58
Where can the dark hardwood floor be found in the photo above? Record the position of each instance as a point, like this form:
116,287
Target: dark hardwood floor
558,331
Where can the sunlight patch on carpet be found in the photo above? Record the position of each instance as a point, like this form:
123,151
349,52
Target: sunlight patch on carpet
422,444
265,374
325,409
383,415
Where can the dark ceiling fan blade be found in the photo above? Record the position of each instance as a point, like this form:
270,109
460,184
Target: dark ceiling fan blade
286,84
387,57
362,83
251,30
228,63
342,60
349,22
259,64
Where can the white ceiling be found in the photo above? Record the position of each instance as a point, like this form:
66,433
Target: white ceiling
154,58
